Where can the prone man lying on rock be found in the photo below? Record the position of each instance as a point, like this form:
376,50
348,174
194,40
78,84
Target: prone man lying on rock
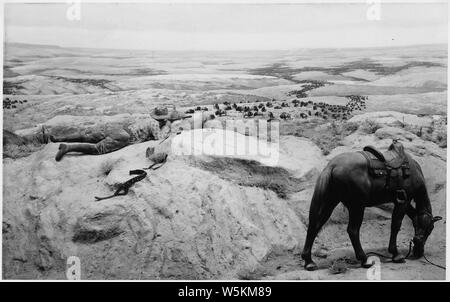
96,135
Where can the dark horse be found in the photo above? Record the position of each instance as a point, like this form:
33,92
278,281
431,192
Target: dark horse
346,179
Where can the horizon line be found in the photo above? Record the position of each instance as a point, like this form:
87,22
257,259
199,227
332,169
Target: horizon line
226,50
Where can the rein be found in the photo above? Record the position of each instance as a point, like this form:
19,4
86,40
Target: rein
407,255
387,257
125,187
437,265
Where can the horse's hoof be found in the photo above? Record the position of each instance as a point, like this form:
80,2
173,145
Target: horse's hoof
367,264
311,266
398,259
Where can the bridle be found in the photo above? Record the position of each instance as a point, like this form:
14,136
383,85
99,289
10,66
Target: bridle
411,242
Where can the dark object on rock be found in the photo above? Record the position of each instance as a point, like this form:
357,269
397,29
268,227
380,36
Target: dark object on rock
125,187
88,235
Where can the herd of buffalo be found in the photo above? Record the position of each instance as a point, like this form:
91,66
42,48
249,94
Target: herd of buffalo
267,109
10,104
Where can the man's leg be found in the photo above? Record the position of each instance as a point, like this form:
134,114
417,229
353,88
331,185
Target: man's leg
104,146
84,148
76,135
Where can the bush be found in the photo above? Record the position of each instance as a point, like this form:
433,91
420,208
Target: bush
436,133
370,126
18,151
327,142
251,173
350,127
326,136
440,138
332,137
339,266
107,165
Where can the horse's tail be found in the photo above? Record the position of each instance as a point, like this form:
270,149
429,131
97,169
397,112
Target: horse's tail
322,205
322,193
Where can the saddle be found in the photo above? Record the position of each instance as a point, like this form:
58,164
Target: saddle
393,165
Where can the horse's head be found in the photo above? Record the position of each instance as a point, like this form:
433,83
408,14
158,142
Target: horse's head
424,227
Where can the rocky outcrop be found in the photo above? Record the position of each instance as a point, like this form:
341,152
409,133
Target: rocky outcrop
197,217
393,118
182,221
10,138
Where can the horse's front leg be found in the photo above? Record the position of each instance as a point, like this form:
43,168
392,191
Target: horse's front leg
397,218
412,214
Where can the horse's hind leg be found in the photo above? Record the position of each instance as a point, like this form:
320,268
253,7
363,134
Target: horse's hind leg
318,216
356,215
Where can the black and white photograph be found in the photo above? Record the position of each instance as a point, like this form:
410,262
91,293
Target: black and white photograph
234,141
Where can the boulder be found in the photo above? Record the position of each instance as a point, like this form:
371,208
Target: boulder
181,222
395,133
10,138
215,124
393,118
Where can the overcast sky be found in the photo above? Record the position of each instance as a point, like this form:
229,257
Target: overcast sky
226,26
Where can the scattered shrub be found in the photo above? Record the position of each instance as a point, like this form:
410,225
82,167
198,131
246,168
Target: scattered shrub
338,267
370,126
350,127
107,165
18,151
251,173
327,143
436,132
440,138
325,136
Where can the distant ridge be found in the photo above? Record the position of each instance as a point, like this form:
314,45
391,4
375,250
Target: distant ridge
33,45
20,44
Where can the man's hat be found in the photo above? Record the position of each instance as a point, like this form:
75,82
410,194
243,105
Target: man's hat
162,114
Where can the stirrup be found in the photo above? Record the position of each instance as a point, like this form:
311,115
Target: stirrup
401,196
